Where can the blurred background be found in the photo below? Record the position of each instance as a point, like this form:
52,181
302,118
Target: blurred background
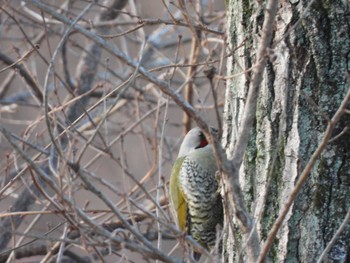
72,108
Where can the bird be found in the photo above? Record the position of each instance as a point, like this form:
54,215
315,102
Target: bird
194,190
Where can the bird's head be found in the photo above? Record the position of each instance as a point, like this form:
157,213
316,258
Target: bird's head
193,140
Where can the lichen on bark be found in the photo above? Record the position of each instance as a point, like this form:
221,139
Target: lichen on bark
303,82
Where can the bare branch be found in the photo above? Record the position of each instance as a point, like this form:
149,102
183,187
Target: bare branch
335,237
81,124
23,72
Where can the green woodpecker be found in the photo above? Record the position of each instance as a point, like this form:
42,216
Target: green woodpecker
194,190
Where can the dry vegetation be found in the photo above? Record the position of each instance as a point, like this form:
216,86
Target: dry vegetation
89,125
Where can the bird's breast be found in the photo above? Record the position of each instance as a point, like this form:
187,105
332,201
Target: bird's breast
198,182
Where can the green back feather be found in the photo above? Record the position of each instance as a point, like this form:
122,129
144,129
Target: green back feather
176,194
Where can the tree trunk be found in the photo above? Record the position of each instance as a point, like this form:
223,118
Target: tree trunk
304,84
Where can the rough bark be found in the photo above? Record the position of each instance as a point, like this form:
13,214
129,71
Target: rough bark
304,83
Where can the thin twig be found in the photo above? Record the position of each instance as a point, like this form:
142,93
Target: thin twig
26,76
335,237
195,48
160,171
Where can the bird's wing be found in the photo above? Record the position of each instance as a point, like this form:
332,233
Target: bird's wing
177,195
